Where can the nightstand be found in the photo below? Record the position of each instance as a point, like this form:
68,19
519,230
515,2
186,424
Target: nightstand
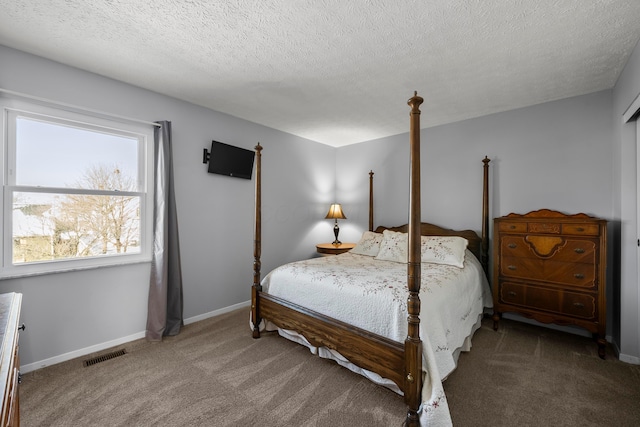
331,249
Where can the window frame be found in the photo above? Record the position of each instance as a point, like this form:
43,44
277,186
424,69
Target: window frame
11,109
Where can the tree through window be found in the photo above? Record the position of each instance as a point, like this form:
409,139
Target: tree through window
77,191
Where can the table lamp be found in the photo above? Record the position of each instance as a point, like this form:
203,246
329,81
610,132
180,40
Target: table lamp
335,212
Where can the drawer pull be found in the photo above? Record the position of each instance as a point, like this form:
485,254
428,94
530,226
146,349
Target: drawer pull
512,227
511,294
579,228
579,250
512,245
579,276
578,305
512,267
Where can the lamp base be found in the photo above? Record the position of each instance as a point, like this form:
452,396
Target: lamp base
336,230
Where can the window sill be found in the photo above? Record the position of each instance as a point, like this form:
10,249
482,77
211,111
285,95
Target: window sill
15,274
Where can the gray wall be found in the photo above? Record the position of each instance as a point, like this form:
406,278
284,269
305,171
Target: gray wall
573,155
556,155
68,314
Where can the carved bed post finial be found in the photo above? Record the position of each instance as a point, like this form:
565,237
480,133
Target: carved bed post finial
413,344
257,246
414,102
370,200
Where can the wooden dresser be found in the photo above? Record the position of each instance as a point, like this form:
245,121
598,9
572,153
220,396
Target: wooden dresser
9,362
551,267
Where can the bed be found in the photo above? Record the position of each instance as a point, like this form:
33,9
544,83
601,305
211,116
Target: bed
370,320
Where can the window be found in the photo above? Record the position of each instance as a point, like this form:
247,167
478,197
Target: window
76,191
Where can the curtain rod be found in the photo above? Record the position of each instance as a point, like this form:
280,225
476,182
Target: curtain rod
76,107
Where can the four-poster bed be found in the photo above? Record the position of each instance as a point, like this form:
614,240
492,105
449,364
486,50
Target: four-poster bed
367,346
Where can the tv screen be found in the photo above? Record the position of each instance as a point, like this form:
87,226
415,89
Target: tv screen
228,160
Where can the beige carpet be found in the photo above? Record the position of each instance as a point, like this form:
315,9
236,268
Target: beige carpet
215,374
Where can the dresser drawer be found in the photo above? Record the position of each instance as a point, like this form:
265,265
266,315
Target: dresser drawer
581,229
556,272
515,227
554,248
567,303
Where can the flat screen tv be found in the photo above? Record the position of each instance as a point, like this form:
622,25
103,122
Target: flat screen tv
228,160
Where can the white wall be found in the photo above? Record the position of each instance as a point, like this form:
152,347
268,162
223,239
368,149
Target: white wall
625,205
68,314
556,155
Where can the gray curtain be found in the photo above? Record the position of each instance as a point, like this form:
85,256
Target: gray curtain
165,288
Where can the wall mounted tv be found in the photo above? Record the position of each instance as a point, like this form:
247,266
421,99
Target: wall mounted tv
225,159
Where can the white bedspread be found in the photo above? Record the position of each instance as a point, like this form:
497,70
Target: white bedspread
372,295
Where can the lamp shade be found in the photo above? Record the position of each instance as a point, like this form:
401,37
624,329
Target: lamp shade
335,212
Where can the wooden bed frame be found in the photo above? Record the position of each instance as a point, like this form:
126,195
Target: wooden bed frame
399,362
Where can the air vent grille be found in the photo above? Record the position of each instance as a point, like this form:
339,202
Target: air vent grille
102,358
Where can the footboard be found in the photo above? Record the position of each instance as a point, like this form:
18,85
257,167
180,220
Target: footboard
365,349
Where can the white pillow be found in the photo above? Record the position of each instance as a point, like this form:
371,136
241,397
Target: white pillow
368,245
393,247
447,250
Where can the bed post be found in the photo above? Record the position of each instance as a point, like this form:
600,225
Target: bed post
257,247
413,344
370,200
485,216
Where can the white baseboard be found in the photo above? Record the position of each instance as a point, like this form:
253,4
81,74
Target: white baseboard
79,353
570,328
629,359
113,343
217,312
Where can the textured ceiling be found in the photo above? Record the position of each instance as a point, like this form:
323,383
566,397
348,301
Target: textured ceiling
338,71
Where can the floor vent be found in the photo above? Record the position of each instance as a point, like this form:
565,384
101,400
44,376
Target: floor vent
102,358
